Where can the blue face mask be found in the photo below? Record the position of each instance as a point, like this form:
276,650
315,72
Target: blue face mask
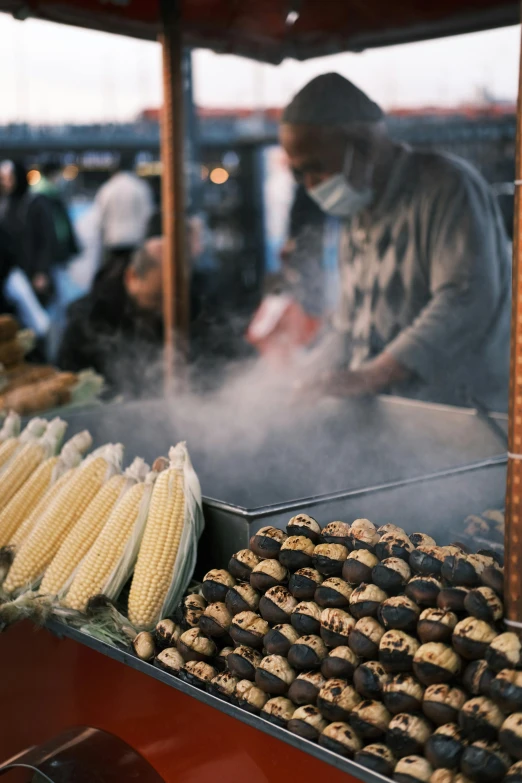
337,197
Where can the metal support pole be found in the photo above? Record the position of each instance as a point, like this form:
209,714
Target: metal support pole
175,267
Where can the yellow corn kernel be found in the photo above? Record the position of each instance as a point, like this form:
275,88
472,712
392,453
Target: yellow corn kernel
25,500
158,549
32,518
82,537
37,551
106,552
19,470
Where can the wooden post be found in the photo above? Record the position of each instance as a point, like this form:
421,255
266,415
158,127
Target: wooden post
175,268
513,530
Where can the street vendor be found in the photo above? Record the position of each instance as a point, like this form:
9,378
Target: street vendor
423,305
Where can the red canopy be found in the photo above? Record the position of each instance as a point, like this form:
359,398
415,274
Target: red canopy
271,30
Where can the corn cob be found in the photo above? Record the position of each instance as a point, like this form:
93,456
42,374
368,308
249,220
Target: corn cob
62,513
166,556
10,427
84,533
9,447
27,460
110,560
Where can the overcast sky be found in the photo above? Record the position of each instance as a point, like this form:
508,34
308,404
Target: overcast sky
53,73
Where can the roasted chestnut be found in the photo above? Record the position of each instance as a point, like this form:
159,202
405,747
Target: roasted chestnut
435,662
396,651
341,739
394,545
274,675
484,603
493,576
277,604
364,535
336,626
514,773
242,598
376,757
442,703
305,688
427,560
267,574
424,590
166,634
248,629
278,711
250,697
390,528
279,639
296,552
369,679
366,600
471,638
337,699
412,769
480,718
391,574
328,559
189,610
369,719
436,625
504,652
445,747
506,690
170,660
358,566
243,662
266,543
303,525
307,722
216,584
463,569
197,673
422,539
510,735
215,620
241,564
304,583
306,618
220,661
333,593
195,646
340,663
399,612
407,734
448,776
452,599
337,533
484,762
365,638
307,652
223,686
402,693
477,678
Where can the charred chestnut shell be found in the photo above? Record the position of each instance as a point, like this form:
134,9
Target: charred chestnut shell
296,552
274,675
279,639
394,545
333,593
248,629
305,688
306,618
484,603
307,653
399,612
250,697
484,762
435,662
241,564
510,735
195,646
451,599
378,758
436,625
243,662
407,734
366,600
267,574
364,535
170,660
358,566
442,703
480,718
493,576
166,634
402,693
424,590
340,663
220,661
391,574
223,685
340,738
328,559
477,678
197,673
462,569
278,711
215,620
369,679
370,719
397,650
303,525
506,690
303,584
337,699
189,611
412,769
336,626
242,598
307,722
216,584
266,543
427,560
277,604
471,638
504,652
445,747
337,533
365,638
421,540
